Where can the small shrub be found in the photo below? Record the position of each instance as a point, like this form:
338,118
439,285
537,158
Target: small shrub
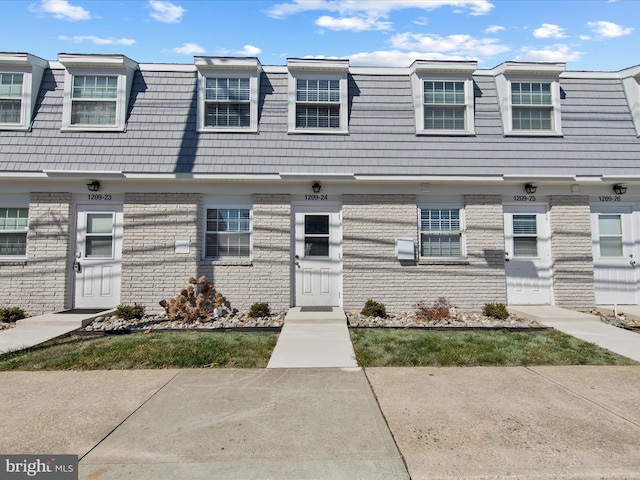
374,309
259,310
130,312
495,310
195,302
11,314
440,309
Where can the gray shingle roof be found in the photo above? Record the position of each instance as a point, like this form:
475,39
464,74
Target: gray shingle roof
598,134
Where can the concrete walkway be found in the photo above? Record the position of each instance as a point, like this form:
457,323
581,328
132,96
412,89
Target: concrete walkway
585,327
35,330
503,423
312,339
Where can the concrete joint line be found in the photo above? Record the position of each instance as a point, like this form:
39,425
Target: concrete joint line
129,416
375,397
604,407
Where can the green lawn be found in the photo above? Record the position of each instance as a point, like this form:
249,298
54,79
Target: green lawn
397,348
154,350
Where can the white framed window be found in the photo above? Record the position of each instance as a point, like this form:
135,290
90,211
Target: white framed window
525,235
443,97
441,232
227,233
11,98
20,78
96,91
228,94
318,96
14,226
529,98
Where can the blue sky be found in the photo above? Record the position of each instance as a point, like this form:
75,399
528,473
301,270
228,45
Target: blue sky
587,35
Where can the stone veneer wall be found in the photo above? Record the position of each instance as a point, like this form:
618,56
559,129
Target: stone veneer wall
151,270
371,223
267,276
41,283
571,251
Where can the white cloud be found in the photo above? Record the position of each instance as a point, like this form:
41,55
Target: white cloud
396,58
548,30
452,46
166,12
357,24
97,40
188,49
62,10
377,7
556,53
609,29
249,51
493,29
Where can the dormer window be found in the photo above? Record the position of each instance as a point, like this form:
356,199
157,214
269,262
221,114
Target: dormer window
228,94
532,106
20,78
443,97
96,92
11,97
318,95
631,84
93,100
529,98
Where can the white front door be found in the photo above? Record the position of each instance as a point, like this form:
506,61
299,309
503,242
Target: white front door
614,255
527,255
317,255
97,262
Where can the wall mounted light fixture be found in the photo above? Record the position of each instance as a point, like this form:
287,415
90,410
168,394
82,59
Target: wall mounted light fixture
619,189
316,187
529,188
93,186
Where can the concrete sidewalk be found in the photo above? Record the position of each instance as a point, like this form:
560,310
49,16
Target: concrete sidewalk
448,423
312,339
35,330
585,327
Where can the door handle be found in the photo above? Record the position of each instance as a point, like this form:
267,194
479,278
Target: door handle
632,263
77,267
297,264
506,256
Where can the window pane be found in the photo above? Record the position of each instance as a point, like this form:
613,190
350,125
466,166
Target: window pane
228,89
14,218
10,111
525,225
93,113
316,246
14,244
444,118
92,86
318,117
314,91
99,223
610,224
10,85
316,224
99,246
531,93
227,245
531,119
611,246
525,247
228,115
440,220
441,245
444,93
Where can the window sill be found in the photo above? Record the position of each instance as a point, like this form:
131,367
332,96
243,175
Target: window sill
443,261
446,133
14,127
533,133
318,131
228,130
227,262
14,262
90,128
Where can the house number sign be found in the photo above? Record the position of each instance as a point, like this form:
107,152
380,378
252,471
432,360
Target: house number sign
316,197
100,196
609,198
524,198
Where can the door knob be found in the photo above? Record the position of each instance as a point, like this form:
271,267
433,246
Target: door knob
297,264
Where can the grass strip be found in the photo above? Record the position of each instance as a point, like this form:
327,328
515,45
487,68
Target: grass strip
153,350
422,348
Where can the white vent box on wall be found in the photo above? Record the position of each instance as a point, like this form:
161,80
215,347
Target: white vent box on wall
405,249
